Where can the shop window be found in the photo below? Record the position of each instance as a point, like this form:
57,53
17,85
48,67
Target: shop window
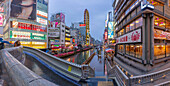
127,28
167,50
132,51
132,26
127,49
159,51
121,48
155,3
168,24
159,22
139,22
138,50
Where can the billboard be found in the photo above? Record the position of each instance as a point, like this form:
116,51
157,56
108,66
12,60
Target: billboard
53,34
1,19
60,17
24,9
110,30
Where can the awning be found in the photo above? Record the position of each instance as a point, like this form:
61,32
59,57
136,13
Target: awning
109,50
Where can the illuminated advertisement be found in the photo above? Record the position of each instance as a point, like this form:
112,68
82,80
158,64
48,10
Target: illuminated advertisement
20,35
24,9
110,30
42,14
159,34
1,19
1,9
53,30
53,34
27,35
42,21
105,35
62,17
59,17
131,37
106,23
38,36
45,2
82,25
21,25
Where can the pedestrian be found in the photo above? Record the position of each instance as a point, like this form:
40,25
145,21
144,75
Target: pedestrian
17,43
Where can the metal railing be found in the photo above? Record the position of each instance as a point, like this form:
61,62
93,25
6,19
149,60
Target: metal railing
136,80
19,74
70,70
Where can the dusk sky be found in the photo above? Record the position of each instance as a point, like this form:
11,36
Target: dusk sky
74,11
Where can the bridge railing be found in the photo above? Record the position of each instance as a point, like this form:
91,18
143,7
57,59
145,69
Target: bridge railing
149,78
72,70
19,74
122,79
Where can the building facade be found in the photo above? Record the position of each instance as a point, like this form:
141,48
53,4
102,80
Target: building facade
142,31
67,36
28,25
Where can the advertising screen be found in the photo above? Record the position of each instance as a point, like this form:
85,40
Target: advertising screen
38,36
110,30
21,35
42,14
42,21
1,19
24,9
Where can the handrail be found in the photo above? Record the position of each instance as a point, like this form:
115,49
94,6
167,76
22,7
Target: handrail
150,74
163,84
21,75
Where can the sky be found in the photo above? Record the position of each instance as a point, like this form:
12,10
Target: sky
74,12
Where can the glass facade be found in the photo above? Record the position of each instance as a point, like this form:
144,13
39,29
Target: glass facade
167,24
159,22
139,22
167,50
127,28
159,51
155,3
138,50
132,26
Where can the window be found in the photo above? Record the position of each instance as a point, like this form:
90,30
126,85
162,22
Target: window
127,28
168,24
159,51
127,49
132,26
121,32
138,50
139,22
133,13
167,50
132,51
155,3
159,22
121,48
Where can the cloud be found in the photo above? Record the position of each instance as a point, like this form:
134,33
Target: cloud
74,11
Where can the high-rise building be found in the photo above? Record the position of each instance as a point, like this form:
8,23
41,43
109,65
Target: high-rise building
26,21
56,30
143,35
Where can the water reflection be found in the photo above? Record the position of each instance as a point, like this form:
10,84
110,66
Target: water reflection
79,58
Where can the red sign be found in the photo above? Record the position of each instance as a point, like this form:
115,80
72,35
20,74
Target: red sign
132,37
27,26
106,35
82,25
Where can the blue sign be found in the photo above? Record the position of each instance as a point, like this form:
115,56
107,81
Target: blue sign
110,30
45,2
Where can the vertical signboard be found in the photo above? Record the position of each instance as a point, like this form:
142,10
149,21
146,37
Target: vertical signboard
110,30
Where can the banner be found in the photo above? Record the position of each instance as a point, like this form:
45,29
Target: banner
131,37
53,34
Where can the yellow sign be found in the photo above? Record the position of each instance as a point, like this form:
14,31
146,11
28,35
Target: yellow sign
69,68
